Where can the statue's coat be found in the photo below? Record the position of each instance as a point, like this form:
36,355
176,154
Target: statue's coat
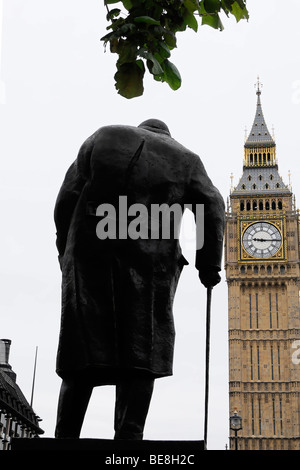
117,295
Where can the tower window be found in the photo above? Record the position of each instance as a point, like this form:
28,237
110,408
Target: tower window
248,206
254,186
254,205
271,177
242,206
243,186
267,205
249,178
269,269
273,205
277,185
243,270
261,205
260,177
279,205
266,186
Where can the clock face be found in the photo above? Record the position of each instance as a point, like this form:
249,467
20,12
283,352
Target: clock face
262,240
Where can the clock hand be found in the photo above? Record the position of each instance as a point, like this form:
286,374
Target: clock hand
266,239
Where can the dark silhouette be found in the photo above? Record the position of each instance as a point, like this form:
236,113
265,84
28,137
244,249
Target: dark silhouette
117,293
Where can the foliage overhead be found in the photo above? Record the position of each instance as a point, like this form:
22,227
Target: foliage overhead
143,35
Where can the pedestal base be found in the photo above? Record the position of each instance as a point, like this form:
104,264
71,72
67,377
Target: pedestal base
136,453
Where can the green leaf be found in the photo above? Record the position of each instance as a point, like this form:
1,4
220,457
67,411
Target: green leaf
170,38
191,5
228,3
163,50
127,4
113,13
212,6
110,2
127,52
155,68
213,21
146,19
152,62
171,75
239,12
190,20
129,79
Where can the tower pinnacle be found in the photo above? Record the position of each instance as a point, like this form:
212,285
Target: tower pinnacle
258,86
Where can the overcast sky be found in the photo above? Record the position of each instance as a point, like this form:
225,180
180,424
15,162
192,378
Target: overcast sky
57,88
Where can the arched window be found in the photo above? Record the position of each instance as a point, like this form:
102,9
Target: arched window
269,158
243,186
255,269
254,186
264,158
273,205
280,205
243,269
266,186
255,158
261,205
251,158
269,269
248,206
242,206
249,177
254,205
282,269
267,205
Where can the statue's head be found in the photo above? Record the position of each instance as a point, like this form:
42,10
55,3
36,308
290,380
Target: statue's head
155,124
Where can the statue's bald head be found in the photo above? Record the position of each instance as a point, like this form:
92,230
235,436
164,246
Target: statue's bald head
155,125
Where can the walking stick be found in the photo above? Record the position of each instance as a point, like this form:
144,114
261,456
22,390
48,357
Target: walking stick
208,306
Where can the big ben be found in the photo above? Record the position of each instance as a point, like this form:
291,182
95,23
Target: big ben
262,263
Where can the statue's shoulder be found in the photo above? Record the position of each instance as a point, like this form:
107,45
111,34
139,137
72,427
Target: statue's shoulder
115,129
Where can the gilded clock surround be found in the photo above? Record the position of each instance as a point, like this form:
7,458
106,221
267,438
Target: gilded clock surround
279,223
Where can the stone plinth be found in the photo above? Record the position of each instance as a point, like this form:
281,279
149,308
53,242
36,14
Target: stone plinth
137,453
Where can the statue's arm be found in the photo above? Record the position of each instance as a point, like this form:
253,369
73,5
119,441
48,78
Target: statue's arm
69,194
202,191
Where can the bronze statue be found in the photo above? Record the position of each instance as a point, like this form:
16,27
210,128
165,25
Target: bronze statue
117,288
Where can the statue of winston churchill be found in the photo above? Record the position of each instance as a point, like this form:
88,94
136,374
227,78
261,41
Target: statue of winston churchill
117,323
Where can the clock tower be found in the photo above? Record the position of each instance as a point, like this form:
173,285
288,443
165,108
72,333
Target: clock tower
263,274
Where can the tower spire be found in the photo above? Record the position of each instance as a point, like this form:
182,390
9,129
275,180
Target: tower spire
258,86
259,134
260,167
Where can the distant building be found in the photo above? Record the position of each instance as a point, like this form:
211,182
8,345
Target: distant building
17,418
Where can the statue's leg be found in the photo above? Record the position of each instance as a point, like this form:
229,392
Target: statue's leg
72,405
133,398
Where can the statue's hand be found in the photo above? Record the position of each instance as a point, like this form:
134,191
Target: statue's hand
209,277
